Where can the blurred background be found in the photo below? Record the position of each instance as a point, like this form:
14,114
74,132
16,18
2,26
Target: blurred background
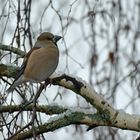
100,45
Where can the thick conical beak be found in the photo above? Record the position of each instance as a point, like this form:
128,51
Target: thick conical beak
56,38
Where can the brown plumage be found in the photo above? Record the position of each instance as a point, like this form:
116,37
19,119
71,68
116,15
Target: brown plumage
40,62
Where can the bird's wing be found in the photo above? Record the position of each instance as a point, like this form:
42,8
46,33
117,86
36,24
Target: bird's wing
22,68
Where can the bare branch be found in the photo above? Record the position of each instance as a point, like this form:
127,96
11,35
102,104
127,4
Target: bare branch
12,49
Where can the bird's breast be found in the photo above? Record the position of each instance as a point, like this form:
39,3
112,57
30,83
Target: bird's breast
41,64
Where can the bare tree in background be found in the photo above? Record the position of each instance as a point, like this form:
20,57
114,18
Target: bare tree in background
100,45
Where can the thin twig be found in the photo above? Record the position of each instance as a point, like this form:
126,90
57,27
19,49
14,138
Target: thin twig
42,86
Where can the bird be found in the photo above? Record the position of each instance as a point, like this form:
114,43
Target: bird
40,62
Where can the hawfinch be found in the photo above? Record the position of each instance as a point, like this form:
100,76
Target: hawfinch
40,62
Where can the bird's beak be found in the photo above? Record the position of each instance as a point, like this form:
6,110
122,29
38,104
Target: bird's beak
56,38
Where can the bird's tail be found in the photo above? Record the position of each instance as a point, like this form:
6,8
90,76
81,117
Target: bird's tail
17,82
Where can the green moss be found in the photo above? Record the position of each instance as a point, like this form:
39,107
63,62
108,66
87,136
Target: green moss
101,116
12,71
8,71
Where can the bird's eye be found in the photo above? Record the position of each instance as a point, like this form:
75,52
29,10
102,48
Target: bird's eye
49,38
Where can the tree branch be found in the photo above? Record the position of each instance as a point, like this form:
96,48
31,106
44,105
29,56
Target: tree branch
48,109
12,49
8,71
75,116
106,115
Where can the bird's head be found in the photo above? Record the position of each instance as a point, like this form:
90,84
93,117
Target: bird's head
49,37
